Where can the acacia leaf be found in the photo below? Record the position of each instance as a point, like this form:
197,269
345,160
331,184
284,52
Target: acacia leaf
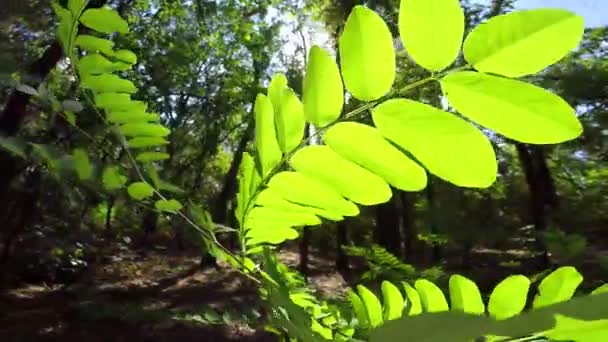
367,55
393,301
146,157
323,92
509,297
432,31
348,179
278,83
431,297
523,42
142,142
107,83
267,146
558,286
449,147
372,305
82,164
105,20
515,109
289,120
144,129
414,306
140,190
365,146
170,206
465,295
358,308
112,178
94,44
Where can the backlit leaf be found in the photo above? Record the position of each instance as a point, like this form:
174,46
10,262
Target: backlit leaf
82,164
523,42
449,147
170,206
131,117
358,308
268,216
431,297
432,31
365,146
107,83
414,306
274,200
140,190
323,94
558,286
126,56
601,289
146,157
112,179
141,142
275,89
144,129
298,188
95,64
465,295
64,29
94,44
372,305
515,109
289,121
393,301
105,20
509,297
75,6
367,55
119,102
266,143
348,179
572,329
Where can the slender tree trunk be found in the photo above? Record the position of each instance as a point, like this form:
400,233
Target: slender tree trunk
341,240
409,230
430,197
110,208
388,234
304,244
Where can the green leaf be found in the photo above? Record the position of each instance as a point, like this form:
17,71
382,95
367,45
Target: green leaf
289,121
107,83
298,188
14,145
75,6
112,179
146,157
449,147
323,93
509,297
365,146
367,55
358,308
170,206
266,143
166,186
601,289
431,297
119,102
262,216
140,190
72,106
515,109
126,56
94,44
144,129
275,89
105,20
432,31
273,199
393,301
348,179
142,142
414,306
558,286
246,170
465,295
270,234
131,117
372,305
64,29
70,117
82,164
523,42
96,64
570,329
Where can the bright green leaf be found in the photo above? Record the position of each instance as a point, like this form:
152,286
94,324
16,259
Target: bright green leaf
298,188
289,121
64,29
523,42
446,145
509,297
82,164
345,177
266,143
393,301
107,83
367,55
372,305
275,89
465,295
260,216
146,157
414,306
95,64
141,142
170,206
515,109
601,289
558,286
119,102
572,329
431,297
112,179
126,56
365,146
144,129
75,6
323,94
432,31
105,20
358,308
131,117
94,44
140,190
273,199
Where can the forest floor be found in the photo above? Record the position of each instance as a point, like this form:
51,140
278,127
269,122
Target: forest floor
164,295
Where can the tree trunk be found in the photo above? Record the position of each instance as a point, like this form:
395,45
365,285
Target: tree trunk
109,214
430,197
304,243
409,230
341,240
388,234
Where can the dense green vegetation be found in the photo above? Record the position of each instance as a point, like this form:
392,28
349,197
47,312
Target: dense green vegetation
307,170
